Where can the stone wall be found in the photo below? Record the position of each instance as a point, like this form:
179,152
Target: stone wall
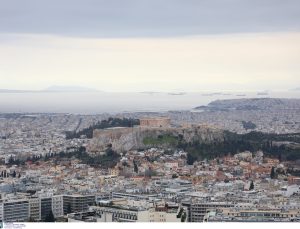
124,139
155,122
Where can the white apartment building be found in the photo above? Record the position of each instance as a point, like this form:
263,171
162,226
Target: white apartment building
57,206
34,209
16,210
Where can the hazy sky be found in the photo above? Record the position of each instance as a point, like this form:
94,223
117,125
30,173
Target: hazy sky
139,45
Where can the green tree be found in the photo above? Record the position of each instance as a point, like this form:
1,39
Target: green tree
174,176
251,185
150,173
11,160
273,173
136,168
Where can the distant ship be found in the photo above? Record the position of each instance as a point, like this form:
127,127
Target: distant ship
262,93
178,93
149,92
212,94
240,95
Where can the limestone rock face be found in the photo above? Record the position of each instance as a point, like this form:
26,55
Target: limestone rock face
122,139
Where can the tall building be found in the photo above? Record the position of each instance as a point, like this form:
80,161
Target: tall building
46,207
16,211
77,203
34,209
57,206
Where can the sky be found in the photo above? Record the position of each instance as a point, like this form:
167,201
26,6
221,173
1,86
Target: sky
150,45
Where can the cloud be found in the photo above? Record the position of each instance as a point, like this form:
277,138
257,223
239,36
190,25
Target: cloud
147,18
211,62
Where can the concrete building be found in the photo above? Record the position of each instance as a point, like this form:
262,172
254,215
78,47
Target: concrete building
34,209
1,212
253,215
77,203
46,207
197,211
57,206
16,211
87,216
122,195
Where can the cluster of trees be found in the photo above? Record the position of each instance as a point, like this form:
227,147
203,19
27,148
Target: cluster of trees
248,125
149,173
13,161
110,159
161,139
273,174
111,122
135,167
251,186
4,174
235,143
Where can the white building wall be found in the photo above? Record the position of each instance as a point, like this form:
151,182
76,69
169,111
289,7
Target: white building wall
57,206
1,211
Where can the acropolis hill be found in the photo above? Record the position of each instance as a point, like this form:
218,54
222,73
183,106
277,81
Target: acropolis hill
122,139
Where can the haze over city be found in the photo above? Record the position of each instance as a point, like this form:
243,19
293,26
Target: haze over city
150,45
149,111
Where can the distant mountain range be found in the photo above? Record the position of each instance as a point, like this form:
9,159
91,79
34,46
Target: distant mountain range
53,88
249,104
14,91
56,88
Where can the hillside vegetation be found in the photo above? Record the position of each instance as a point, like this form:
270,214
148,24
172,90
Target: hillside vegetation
284,146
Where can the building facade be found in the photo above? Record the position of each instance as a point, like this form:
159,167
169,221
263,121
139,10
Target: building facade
155,122
77,203
16,211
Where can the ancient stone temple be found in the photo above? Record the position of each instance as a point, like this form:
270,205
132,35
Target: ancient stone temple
155,122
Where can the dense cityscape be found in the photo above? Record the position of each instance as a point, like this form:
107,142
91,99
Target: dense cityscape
156,113
150,167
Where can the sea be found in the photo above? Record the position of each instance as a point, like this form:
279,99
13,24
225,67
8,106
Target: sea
113,102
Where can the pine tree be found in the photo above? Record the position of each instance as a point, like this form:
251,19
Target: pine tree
136,168
11,160
251,186
273,173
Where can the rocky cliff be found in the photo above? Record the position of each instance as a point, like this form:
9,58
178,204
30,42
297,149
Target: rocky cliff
124,139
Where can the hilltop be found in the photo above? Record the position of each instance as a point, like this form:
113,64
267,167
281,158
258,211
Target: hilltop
252,104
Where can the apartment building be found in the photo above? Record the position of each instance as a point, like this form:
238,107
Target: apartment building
46,207
16,210
57,206
199,210
77,203
34,209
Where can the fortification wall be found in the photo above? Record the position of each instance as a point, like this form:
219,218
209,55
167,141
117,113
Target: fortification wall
124,139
